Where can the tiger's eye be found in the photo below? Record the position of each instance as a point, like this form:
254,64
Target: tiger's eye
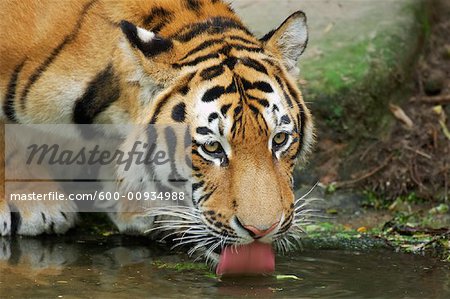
214,147
280,139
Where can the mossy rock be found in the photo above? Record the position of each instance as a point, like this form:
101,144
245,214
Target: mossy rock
358,54
357,67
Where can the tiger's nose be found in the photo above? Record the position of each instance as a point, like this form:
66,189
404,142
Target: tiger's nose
257,233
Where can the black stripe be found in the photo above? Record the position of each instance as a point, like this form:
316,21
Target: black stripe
196,61
237,110
162,16
224,109
152,139
56,51
203,131
194,5
159,107
196,153
101,92
212,72
8,105
213,94
246,48
231,88
286,95
245,40
166,98
285,120
262,86
151,48
212,26
254,109
195,186
156,12
259,85
256,65
266,37
262,102
179,112
217,91
225,50
213,116
288,99
184,89
206,196
230,62
201,47
302,117
171,141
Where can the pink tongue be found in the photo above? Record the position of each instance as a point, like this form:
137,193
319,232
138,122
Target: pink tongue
254,258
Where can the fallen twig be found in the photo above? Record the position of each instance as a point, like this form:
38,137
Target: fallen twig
409,231
364,176
442,99
418,152
368,149
436,238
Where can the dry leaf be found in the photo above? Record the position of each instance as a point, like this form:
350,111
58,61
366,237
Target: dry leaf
328,28
401,115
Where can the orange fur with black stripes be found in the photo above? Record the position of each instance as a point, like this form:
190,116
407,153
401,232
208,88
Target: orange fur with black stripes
168,62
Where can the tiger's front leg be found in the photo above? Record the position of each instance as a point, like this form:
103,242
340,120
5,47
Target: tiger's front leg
129,216
31,217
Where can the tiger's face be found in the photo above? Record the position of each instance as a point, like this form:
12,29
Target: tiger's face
248,122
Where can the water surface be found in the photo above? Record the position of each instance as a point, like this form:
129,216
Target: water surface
124,267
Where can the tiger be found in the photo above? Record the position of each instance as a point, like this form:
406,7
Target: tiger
190,62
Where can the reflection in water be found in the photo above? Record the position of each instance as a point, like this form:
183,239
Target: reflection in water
124,267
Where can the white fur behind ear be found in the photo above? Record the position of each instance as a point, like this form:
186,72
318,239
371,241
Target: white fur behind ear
145,35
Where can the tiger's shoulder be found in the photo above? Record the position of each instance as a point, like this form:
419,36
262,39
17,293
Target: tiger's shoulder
59,58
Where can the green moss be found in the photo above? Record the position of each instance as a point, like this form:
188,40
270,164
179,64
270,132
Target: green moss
332,236
184,266
353,79
96,224
337,70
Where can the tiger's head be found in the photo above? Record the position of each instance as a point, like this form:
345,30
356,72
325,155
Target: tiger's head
247,118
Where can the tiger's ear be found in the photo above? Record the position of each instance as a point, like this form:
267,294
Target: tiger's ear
148,53
149,43
289,40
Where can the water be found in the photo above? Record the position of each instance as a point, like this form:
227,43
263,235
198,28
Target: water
124,267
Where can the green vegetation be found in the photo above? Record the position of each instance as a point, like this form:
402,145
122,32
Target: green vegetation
182,266
408,233
344,78
374,200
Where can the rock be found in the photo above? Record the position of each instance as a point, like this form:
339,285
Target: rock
356,51
434,84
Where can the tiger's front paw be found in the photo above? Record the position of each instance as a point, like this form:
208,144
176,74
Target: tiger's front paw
5,219
32,218
132,223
